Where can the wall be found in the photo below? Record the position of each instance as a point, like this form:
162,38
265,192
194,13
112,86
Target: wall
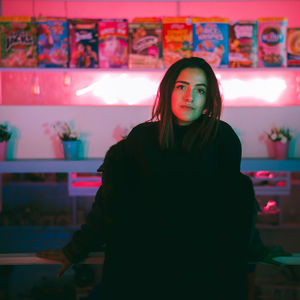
131,9
102,126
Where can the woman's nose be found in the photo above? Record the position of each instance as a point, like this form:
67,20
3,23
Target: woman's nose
188,95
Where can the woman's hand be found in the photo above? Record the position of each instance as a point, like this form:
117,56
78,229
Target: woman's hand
272,252
56,255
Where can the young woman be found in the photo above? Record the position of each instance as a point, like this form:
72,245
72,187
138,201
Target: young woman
173,210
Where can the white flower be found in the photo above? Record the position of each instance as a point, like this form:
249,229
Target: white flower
273,136
283,140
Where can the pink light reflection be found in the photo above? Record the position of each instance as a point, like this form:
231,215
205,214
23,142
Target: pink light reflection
261,87
238,88
120,88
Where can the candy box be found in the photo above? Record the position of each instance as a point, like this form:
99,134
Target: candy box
145,45
271,42
177,39
18,42
83,42
293,47
52,42
113,43
242,44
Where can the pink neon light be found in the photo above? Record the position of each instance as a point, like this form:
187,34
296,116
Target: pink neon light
268,87
256,89
118,89
86,184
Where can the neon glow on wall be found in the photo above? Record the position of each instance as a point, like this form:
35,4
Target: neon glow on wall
123,89
138,88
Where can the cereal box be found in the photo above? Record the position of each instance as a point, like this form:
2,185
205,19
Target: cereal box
145,45
271,42
18,42
177,39
83,43
210,40
243,44
113,43
293,47
52,42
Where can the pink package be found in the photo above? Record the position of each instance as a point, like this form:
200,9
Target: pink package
271,41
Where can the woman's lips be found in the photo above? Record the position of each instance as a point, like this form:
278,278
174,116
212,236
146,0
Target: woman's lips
187,107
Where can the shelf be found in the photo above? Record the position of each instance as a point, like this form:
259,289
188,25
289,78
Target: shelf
265,164
278,227
157,0
32,259
90,165
98,258
287,69
50,165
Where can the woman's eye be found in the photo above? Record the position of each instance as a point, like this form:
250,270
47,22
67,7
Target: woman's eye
201,91
180,87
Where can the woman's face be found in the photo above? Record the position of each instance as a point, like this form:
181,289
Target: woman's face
189,95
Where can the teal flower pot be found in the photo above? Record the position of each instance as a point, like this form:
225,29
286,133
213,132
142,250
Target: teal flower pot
71,149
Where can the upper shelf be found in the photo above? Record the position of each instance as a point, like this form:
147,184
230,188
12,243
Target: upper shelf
297,69
160,0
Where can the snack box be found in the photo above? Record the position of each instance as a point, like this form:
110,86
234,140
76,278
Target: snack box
177,39
210,40
113,43
18,42
293,47
243,44
83,43
52,42
271,42
145,45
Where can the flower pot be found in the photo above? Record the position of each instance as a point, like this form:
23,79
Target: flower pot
3,150
71,149
281,150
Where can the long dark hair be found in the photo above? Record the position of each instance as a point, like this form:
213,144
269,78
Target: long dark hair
202,129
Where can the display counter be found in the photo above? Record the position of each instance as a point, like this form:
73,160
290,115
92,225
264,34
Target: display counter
91,165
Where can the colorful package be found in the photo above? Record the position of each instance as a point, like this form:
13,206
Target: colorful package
145,45
83,42
293,47
18,42
210,40
177,39
243,44
52,42
113,43
271,40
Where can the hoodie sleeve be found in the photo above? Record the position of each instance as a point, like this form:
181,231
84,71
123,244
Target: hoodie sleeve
257,249
95,232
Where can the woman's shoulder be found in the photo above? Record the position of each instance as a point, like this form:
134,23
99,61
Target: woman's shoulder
223,125
146,125
225,128
227,135
143,129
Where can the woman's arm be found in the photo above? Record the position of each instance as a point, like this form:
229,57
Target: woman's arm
94,233
96,230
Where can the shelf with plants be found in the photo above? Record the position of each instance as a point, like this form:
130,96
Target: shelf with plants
91,164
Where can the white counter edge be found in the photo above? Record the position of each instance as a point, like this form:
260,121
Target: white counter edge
91,165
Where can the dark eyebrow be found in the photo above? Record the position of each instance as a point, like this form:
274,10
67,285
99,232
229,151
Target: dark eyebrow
187,83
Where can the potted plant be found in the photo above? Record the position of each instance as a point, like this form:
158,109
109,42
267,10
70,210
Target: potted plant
69,140
280,136
5,135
